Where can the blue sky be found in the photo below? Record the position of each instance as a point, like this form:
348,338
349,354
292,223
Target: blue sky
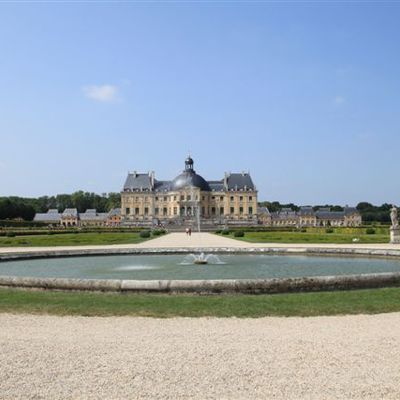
304,95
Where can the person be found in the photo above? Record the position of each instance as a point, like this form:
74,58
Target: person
187,231
190,231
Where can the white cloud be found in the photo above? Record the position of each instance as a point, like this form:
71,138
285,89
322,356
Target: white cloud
104,93
339,100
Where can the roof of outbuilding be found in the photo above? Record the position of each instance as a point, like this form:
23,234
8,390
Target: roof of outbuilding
47,217
70,212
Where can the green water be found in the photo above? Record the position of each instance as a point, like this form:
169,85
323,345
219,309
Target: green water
159,267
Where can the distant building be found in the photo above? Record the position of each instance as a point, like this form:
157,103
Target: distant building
306,216
71,217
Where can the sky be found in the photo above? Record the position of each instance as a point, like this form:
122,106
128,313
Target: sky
303,95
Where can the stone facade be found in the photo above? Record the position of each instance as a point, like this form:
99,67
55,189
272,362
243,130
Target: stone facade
187,198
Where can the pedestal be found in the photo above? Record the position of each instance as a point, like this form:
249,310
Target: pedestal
394,235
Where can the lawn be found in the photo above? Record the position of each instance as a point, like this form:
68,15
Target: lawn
163,305
72,239
312,237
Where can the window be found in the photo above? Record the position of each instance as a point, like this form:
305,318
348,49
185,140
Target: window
203,210
232,198
136,210
146,211
250,210
182,197
156,198
212,197
175,210
203,198
188,197
221,198
221,210
212,210
232,210
165,211
240,210
250,198
241,198
165,198
174,198
127,211
156,211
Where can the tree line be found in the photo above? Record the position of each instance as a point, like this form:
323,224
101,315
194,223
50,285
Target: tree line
14,207
368,211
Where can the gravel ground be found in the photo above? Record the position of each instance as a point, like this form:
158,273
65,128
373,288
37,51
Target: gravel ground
348,357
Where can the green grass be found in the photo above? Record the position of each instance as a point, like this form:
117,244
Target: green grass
71,239
164,305
311,237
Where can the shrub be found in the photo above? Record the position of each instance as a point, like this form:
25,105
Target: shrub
238,234
158,232
370,231
225,231
144,234
218,231
329,230
303,230
10,234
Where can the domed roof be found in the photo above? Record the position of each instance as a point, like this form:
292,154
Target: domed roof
189,178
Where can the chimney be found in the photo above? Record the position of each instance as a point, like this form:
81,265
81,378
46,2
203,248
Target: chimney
152,178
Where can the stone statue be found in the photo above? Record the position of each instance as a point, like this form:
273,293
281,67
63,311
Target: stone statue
393,217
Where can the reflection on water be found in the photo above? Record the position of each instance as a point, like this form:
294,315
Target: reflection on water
135,268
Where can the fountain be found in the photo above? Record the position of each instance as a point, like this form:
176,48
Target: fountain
201,259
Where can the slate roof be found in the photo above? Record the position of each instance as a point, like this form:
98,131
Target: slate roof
70,213
162,186
114,212
241,181
92,215
306,211
136,181
263,210
325,213
350,210
216,186
51,216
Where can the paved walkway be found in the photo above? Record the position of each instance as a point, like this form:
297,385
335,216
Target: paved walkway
198,240
345,357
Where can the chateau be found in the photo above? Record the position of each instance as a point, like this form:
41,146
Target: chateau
188,198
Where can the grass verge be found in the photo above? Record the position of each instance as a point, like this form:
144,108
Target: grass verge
149,305
72,239
310,237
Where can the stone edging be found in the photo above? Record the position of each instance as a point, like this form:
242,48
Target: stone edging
248,286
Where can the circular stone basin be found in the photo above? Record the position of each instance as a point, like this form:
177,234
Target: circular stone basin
173,267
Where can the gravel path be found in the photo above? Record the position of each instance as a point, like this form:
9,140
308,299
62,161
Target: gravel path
198,240
349,357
